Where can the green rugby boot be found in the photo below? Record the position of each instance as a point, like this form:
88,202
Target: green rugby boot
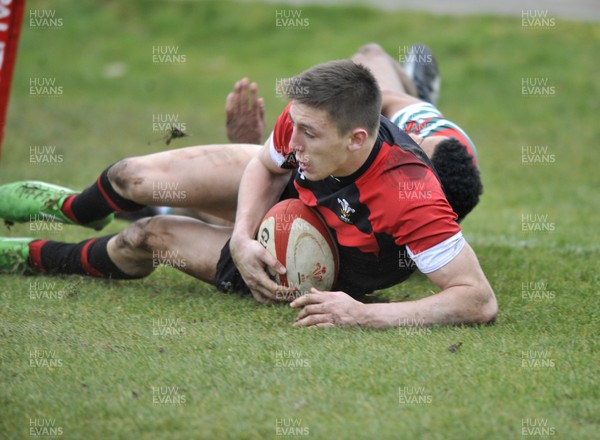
14,255
27,201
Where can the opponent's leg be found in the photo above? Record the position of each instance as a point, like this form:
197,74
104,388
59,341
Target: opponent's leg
422,68
390,77
381,65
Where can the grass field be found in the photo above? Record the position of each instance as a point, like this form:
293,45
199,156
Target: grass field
169,357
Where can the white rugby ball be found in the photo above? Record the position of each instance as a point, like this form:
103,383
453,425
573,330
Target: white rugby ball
299,238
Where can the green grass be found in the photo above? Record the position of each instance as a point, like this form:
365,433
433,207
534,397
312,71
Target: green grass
94,341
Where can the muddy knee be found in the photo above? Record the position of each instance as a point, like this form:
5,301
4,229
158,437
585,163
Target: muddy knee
127,177
134,249
144,236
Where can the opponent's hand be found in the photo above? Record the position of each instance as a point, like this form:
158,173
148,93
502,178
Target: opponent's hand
251,259
245,112
327,309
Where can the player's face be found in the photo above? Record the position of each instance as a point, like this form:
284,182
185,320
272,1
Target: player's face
320,150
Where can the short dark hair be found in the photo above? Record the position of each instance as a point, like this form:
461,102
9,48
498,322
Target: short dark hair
459,176
348,92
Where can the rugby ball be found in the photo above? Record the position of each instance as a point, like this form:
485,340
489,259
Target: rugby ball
299,238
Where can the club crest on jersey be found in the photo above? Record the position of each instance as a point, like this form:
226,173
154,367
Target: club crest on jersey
345,210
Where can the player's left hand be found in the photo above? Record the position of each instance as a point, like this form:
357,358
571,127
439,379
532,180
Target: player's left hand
327,309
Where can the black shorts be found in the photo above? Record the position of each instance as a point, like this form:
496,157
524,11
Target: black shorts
228,278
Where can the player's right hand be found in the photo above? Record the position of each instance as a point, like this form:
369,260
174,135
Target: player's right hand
252,259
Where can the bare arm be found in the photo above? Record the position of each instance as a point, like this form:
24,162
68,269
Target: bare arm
466,298
260,188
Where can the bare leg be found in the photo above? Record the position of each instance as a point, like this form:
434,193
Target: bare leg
397,89
181,242
206,218
203,177
392,81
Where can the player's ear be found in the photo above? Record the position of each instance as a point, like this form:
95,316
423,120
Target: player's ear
357,138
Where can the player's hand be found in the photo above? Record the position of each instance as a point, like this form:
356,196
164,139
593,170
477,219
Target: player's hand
251,259
245,112
327,309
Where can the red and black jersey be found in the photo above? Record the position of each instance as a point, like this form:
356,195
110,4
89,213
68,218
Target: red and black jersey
393,201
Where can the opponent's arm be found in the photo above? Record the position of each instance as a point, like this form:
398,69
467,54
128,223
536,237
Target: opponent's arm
466,298
245,113
261,186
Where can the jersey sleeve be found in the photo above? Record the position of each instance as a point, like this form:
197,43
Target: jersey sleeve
427,224
279,141
439,255
414,210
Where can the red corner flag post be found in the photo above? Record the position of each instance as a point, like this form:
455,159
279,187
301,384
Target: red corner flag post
11,16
